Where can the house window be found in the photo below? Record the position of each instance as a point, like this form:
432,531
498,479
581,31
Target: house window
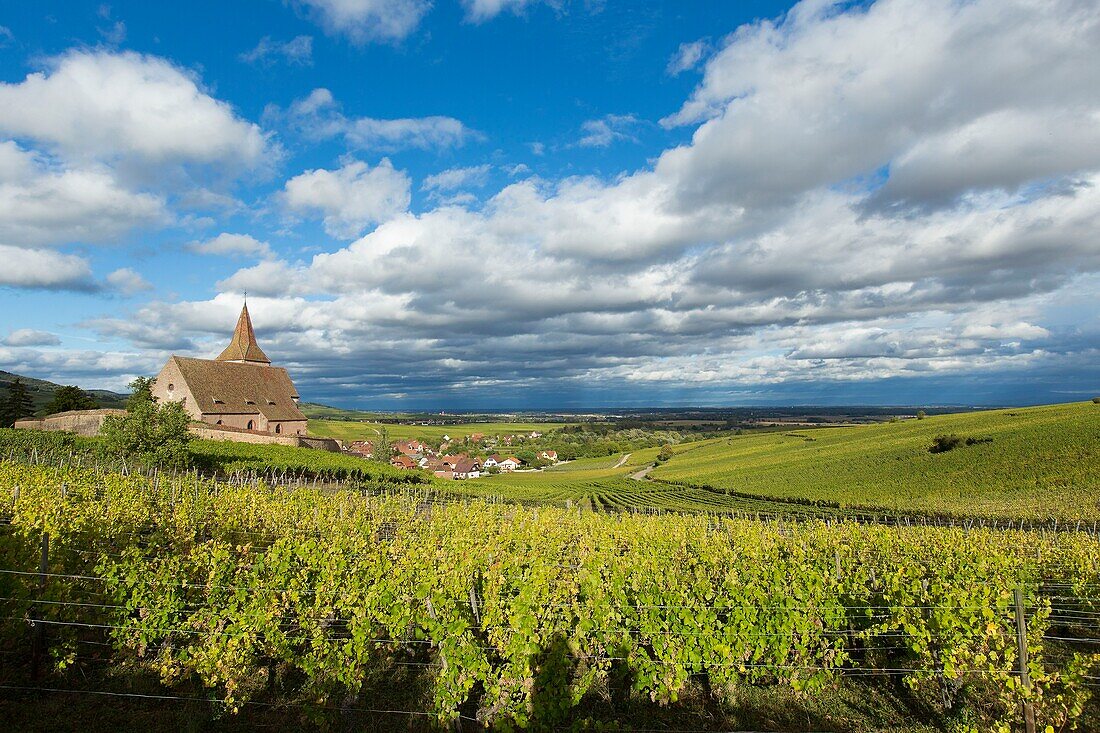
171,387
250,424
278,428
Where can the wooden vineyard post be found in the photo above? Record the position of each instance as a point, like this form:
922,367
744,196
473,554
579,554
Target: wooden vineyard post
38,639
1025,676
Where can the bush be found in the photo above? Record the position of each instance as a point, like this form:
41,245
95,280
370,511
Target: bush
944,443
921,414
666,453
1096,400
155,435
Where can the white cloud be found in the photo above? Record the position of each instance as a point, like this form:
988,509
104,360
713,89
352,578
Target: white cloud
297,51
479,11
830,95
687,56
44,269
41,204
351,198
455,178
232,245
108,106
606,130
127,282
30,337
802,234
318,116
363,21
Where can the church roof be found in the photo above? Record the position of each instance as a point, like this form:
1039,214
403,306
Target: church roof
229,388
243,346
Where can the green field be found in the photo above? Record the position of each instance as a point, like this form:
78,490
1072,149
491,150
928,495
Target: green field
347,430
1040,462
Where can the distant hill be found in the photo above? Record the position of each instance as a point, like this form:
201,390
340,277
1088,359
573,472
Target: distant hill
1032,462
42,391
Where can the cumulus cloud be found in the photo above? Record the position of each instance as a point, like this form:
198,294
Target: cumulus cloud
297,51
127,282
363,21
602,132
232,245
687,56
826,96
44,269
479,11
318,116
455,178
31,337
849,208
42,204
99,105
350,198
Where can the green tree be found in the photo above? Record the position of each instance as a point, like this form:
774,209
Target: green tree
154,434
70,398
921,414
383,451
666,452
17,405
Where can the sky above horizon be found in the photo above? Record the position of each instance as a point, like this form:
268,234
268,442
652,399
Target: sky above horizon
502,204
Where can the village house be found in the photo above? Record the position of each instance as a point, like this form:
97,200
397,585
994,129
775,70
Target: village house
491,461
410,447
467,468
403,461
509,464
548,455
363,448
239,389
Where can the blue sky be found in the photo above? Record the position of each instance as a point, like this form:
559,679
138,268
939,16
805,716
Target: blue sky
521,203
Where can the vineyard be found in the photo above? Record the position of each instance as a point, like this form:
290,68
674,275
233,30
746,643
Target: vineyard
1030,463
394,605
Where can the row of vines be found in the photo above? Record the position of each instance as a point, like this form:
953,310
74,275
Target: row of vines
513,615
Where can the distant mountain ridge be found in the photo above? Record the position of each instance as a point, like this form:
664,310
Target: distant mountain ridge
41,391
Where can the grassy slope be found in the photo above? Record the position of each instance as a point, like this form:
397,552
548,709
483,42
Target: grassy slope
1043,461
345,430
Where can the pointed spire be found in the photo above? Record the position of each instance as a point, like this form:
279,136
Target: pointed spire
243,347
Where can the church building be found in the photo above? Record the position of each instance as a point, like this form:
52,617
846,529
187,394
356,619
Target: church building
240,389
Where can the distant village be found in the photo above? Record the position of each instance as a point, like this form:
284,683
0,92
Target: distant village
445,464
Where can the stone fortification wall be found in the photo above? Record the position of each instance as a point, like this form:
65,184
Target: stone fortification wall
90,422
224,432
81,422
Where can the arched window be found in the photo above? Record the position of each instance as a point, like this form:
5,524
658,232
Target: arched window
278,428
250,425
219,422
171,387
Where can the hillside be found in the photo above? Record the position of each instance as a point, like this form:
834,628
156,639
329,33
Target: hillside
1032,462
41,391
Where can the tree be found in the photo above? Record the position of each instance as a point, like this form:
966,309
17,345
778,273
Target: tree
70,398
17,405
921,414
666,452
156,435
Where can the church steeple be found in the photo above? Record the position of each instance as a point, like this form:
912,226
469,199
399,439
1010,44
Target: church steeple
243,347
